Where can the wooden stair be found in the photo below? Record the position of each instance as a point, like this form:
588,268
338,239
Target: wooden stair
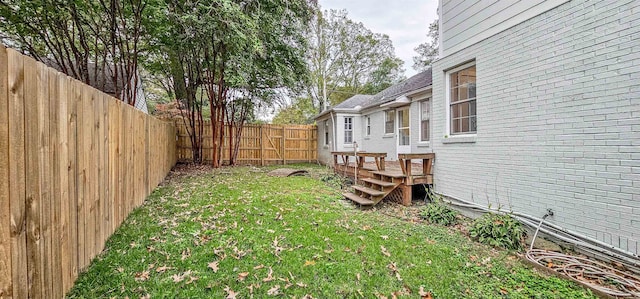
371,191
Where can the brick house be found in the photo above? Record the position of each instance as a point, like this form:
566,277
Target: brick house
532,105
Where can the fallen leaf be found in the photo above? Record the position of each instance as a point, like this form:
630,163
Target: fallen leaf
384,237
242,276
274,291
180,277
230,293
307,296
302,285
358,276
423,294
258,267
250,289
213,266
192,279
146,296
142,276
269,276
163,269
309,263
185,254
384,251
177,278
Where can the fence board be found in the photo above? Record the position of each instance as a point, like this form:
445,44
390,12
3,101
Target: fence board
56,217
17,193
74,162
61,178
82,144
44,179
259,144
73,175
5,208
33,194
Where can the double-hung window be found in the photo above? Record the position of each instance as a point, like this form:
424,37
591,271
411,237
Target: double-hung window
348,130
389,121
462,100
425,115
326,132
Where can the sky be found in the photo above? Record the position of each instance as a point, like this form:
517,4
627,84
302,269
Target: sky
405,21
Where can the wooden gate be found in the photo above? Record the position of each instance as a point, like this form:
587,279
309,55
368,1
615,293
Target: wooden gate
259,145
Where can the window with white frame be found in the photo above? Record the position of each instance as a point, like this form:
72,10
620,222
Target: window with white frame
368,126
404,130
348,130
326,132
389,121
462,100
425,115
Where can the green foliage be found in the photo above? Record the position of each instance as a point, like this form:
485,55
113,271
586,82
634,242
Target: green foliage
346,58
299,112
94,41
427,51
498,230
333,179
439,213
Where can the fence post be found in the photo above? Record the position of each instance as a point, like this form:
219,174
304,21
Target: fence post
309,145
262,145
284,143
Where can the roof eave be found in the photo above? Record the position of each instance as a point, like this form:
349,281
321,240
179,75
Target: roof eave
338,110
419,90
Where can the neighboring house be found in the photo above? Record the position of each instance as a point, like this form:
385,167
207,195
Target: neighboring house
536,106
102,80
395,120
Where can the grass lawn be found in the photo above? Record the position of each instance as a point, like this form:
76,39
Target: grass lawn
238,233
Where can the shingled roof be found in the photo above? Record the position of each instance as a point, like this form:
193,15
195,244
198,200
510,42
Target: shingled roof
417,81
355,101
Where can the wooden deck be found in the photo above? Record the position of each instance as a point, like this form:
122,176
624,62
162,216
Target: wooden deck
392,169
379,179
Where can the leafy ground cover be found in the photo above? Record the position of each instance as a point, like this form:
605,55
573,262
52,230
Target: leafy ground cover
238,233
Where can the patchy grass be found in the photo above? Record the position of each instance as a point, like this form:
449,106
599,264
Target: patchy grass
238,232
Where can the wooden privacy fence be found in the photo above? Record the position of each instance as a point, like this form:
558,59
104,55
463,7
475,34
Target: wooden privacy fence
259,144
73,163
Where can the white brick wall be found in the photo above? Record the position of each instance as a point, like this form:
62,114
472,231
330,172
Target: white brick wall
558,121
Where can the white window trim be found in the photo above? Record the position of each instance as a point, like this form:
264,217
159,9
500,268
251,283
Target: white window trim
420,141
463,137
397,126
344,128
367,125
393,131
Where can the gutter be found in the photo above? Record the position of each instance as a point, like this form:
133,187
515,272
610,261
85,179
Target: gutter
399,101
333,122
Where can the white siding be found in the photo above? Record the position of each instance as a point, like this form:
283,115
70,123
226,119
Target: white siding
324,150
558,121
357,131
379,141
466,22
